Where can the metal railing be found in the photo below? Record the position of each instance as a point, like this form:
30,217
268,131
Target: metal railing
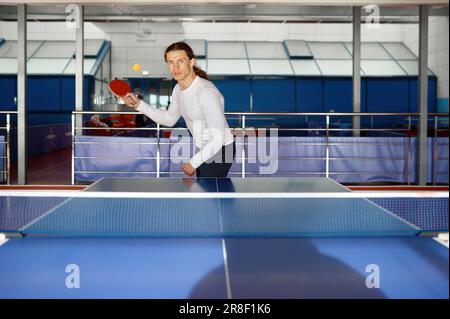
242,128
436,130
6,157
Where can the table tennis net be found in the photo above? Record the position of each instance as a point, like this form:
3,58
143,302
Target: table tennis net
221,214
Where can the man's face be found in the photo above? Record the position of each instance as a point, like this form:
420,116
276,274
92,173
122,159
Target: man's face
179,64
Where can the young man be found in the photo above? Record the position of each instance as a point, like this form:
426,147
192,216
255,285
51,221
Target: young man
202,107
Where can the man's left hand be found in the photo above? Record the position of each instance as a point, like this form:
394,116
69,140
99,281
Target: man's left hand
188,169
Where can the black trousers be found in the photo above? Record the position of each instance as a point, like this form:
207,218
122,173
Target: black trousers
219,165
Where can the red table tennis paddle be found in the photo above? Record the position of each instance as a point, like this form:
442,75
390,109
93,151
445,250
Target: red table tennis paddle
119,87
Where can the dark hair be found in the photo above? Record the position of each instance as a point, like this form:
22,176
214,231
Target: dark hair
183,46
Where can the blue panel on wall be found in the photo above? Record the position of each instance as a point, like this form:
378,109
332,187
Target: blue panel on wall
388,95
88,91
43,93
363,94
236,93
146,87
8,91
414,94
274,95
68,92
337,94
140,85
309,95
365,120
432,94
48,118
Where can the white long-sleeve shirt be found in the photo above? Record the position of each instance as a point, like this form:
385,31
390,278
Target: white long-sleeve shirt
202,107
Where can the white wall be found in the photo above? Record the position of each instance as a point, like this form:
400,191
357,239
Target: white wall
148,48
145,43
438,59
49,31
438,53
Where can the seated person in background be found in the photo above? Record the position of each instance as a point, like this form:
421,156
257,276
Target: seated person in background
98,120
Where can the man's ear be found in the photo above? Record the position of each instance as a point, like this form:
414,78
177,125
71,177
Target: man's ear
192,62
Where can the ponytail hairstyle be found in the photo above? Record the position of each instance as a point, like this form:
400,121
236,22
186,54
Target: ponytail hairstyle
183,46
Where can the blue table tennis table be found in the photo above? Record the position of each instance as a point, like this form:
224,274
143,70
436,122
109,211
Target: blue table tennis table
93,266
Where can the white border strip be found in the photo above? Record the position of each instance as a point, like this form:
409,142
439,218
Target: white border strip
79,194
227,271
224,252
442,239
3,239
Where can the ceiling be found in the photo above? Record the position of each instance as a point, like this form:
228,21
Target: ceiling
251,13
